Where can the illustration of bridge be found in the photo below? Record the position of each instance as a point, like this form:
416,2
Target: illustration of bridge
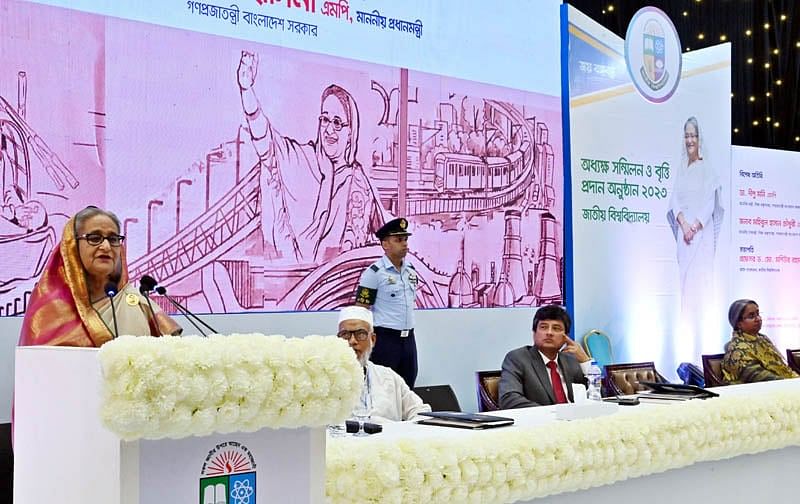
220,228
238,214
333,285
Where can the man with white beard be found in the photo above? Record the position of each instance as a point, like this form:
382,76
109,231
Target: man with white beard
385,394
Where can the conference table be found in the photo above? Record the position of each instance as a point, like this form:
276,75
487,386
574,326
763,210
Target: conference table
743,446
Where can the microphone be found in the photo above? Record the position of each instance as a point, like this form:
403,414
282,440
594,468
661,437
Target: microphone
146,286
111,291
189,315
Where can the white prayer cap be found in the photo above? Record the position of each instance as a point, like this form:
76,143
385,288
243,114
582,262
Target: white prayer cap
355,313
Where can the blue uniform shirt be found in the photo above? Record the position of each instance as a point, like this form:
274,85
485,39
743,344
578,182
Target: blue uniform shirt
391,293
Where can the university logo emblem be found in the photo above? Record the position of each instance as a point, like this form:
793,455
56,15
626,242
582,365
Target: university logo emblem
403,224
228,475
653,54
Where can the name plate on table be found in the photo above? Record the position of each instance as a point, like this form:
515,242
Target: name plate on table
586,409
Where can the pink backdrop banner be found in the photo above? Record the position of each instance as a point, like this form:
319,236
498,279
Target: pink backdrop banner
251,177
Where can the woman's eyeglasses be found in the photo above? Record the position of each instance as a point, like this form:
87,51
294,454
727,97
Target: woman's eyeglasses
338,124
751,316
95,239
358,334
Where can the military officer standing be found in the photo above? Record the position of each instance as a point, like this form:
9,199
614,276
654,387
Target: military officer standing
389,288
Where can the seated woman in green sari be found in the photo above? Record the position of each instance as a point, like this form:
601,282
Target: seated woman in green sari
750,356
69,305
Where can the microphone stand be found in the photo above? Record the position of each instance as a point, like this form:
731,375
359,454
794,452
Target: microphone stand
185,311
144,291
111,293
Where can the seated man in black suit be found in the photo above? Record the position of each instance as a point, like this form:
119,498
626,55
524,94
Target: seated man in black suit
543,374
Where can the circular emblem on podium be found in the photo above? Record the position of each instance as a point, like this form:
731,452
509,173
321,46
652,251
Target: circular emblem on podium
653,54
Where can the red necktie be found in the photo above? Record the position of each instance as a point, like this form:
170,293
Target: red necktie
558,388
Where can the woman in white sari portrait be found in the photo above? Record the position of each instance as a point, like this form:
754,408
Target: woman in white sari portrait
695,216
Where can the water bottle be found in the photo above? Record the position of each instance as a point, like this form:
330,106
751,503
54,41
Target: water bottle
594,379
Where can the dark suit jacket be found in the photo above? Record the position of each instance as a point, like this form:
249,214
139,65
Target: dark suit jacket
525,380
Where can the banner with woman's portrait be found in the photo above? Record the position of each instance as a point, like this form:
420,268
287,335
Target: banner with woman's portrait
650,154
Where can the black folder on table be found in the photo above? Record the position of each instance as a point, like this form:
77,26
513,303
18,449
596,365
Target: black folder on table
677,391
464,420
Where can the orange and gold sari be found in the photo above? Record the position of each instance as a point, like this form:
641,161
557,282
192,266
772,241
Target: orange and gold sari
59,312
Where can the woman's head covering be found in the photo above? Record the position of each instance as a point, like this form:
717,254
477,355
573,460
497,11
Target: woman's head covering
351,116
59,311
736,309
700,150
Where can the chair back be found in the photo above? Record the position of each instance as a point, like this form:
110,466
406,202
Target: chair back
712,369
438,397
793,359
597,345
488,383
623,379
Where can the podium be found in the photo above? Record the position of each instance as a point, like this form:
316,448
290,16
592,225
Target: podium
64,454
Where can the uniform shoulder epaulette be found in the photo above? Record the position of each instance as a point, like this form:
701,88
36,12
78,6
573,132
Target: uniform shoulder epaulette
411,266
374,268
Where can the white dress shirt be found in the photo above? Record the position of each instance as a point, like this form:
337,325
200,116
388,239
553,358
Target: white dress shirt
388,397
584,369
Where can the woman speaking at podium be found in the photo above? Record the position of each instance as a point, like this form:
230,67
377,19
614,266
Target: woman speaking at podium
83,297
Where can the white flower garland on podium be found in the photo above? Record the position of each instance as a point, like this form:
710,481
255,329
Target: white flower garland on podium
512,464
178,387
